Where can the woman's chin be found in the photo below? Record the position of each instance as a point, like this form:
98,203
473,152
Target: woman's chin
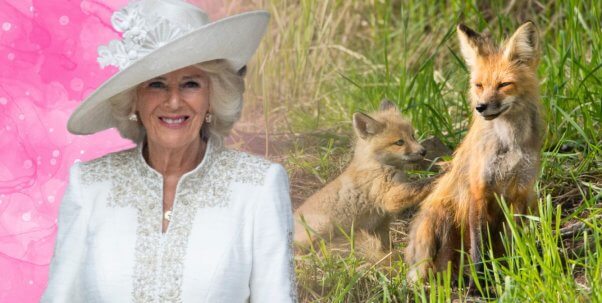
173,141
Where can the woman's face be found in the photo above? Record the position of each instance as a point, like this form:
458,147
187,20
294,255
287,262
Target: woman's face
172,107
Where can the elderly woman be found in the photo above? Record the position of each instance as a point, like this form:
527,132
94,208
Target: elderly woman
179,218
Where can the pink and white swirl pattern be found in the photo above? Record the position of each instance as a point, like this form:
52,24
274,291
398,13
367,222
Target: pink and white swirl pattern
48,52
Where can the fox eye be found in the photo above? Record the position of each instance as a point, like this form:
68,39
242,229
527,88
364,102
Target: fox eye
478,85
504,84
400,142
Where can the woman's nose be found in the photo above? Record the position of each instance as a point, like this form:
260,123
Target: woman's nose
174,99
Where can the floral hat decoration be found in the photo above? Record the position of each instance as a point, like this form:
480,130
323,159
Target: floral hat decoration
160,36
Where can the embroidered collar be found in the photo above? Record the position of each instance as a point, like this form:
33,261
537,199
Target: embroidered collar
148,172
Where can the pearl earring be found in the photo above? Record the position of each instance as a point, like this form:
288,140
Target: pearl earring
133,117
208,118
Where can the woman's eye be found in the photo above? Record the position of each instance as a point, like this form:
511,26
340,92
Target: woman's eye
156,84
400,142
191,84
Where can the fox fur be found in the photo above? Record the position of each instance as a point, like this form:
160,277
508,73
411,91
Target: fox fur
371,189
499,157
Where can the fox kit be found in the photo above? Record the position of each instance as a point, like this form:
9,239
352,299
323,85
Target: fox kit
498,157
372,187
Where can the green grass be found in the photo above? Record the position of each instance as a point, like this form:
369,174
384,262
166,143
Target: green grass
323,60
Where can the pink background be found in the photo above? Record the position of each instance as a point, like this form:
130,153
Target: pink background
47,65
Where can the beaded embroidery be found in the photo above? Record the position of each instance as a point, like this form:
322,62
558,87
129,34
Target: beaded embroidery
158,268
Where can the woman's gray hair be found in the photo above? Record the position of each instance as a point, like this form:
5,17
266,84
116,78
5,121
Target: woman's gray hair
226,87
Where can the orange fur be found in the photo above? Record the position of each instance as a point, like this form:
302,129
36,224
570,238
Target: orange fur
371,189
498,157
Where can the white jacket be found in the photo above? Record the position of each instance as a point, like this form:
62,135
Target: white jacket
229,239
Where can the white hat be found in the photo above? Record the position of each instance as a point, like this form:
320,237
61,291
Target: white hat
160,36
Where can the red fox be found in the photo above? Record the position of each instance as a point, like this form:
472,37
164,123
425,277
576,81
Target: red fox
372,187
500,156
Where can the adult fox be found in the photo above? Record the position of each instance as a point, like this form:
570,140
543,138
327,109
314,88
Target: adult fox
371,189
499,157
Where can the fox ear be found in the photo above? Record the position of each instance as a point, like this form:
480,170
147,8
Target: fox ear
523,46
386,104
470,44
365,126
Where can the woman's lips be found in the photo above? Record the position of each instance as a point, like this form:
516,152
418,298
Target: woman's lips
174,122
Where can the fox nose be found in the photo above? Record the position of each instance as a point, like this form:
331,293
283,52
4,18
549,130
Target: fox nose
481,107
423,152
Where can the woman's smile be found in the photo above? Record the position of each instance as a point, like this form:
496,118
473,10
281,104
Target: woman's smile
174,122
